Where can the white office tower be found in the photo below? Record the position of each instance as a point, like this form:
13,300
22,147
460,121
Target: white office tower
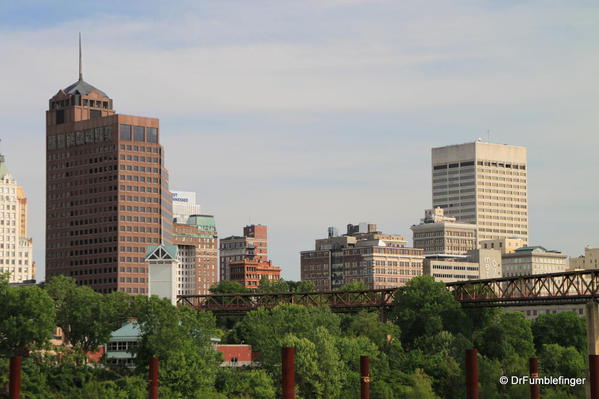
484,184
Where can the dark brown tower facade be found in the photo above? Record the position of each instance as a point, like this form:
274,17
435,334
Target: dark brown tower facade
107,195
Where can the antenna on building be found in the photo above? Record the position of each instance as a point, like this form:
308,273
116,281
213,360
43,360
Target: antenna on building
80,64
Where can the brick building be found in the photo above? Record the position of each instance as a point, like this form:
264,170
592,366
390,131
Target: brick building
197,240
254,242
107,195
363,254
249,272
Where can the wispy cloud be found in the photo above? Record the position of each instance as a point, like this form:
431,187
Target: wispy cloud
306,114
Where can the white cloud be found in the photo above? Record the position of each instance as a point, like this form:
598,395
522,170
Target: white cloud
304,116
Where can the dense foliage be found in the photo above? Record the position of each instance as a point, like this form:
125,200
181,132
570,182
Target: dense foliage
417,353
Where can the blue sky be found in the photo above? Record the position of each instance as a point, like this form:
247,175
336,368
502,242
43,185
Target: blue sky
303,115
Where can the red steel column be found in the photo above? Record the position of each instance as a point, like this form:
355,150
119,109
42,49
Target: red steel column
153,377
14,383
471,373
288,365
594,375
535,389
364,377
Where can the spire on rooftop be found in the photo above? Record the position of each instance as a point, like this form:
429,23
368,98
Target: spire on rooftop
80,65
81,86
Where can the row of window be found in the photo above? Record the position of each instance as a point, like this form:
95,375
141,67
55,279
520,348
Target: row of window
80,137
138,133
136,168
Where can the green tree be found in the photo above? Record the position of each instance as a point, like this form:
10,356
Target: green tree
350,349
267,285
421,387
181,339
556,360
509,333
264,329
318,366
228,287
86,317
240,384
26,319
357,285
563,328
302,286
367,324
424,307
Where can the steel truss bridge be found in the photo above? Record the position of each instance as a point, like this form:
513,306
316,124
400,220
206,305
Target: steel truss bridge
578,287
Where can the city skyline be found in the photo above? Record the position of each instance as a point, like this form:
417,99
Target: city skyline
317,152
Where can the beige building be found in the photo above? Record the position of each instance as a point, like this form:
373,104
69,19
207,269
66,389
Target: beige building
533,260
590,259
477,264
484,184
438,234
363,254
16,251
507,245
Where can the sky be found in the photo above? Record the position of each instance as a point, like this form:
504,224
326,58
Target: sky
306,114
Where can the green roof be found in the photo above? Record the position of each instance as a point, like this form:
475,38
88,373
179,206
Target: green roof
172,250
203,222
535,248
128,332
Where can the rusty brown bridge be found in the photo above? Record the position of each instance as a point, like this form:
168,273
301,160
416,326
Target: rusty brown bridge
578,287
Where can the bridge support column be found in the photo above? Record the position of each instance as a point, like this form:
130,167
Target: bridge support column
288,372
592,310
153,377
14,381
364,377
471,373
535,389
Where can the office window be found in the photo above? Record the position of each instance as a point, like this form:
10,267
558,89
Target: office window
152,135
138,133
125,132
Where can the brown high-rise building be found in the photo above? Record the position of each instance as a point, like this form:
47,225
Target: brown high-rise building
107,195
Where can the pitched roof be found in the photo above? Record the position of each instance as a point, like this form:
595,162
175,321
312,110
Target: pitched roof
162,251
128,331
82,87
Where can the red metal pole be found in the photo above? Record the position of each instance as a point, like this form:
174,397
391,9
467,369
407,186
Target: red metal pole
471,373
288,365
594,375
535,389
153,377
14,384
364,377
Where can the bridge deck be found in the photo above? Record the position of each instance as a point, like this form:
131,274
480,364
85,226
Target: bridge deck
538,289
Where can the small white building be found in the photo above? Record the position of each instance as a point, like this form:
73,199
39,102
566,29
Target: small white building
163,268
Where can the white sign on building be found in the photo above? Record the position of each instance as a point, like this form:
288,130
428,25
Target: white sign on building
184,205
